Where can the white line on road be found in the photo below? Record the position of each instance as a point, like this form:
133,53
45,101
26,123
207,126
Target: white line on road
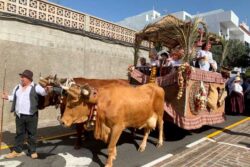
235,145
212,140
158,160
8,163
196,142
230,144
72,161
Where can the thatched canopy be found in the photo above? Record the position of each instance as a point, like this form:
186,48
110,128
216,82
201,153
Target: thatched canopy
172,32
161,31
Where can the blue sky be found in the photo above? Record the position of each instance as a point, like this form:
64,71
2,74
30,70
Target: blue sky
116,10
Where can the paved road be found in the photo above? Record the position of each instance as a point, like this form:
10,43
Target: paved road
59,151
230,148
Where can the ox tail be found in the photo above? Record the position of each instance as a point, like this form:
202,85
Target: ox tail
101,130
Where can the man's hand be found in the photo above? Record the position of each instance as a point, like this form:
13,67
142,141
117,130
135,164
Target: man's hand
5,96
48,89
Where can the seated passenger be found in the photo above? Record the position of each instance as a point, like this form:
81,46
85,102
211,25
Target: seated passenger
154,60
176,55
164,61
143,62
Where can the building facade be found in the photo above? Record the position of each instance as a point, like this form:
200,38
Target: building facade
224,23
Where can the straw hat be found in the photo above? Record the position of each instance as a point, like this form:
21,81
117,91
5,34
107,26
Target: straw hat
237,79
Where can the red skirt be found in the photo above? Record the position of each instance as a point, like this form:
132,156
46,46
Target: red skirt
237,104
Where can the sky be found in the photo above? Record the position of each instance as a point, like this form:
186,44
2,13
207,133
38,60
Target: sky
117,10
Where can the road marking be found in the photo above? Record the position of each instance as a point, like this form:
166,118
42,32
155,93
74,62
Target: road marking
72,161
12,163
211,140
158,160
228,127
210,136
196,142
234,145
230,144
42,139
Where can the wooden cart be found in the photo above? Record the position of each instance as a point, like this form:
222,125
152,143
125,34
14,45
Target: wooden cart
193,97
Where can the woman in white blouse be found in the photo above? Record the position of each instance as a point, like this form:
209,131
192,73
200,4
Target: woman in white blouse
205,58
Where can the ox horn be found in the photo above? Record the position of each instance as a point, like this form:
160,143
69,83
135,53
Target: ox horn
64,87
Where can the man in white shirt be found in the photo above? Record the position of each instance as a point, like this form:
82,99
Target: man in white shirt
25,105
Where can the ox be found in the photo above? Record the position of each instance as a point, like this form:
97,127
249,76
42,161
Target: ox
57,83
117,107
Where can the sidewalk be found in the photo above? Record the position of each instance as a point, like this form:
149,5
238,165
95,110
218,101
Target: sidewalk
231,148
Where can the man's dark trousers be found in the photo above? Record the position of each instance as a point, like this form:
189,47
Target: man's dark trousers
26,123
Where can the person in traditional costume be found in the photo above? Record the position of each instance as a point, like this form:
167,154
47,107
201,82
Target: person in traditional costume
143,62
236,97
205,58
153,56
165,66
175,56
164,58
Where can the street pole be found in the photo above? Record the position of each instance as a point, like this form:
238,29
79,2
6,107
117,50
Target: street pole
1,118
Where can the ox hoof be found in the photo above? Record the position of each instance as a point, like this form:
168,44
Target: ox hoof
159,145
77,146
108,165
141,148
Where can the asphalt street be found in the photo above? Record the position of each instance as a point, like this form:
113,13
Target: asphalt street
59,151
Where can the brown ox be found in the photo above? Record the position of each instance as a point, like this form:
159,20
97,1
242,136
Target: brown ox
118,107
95,83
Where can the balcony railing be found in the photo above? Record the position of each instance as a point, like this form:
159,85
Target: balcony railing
52,13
